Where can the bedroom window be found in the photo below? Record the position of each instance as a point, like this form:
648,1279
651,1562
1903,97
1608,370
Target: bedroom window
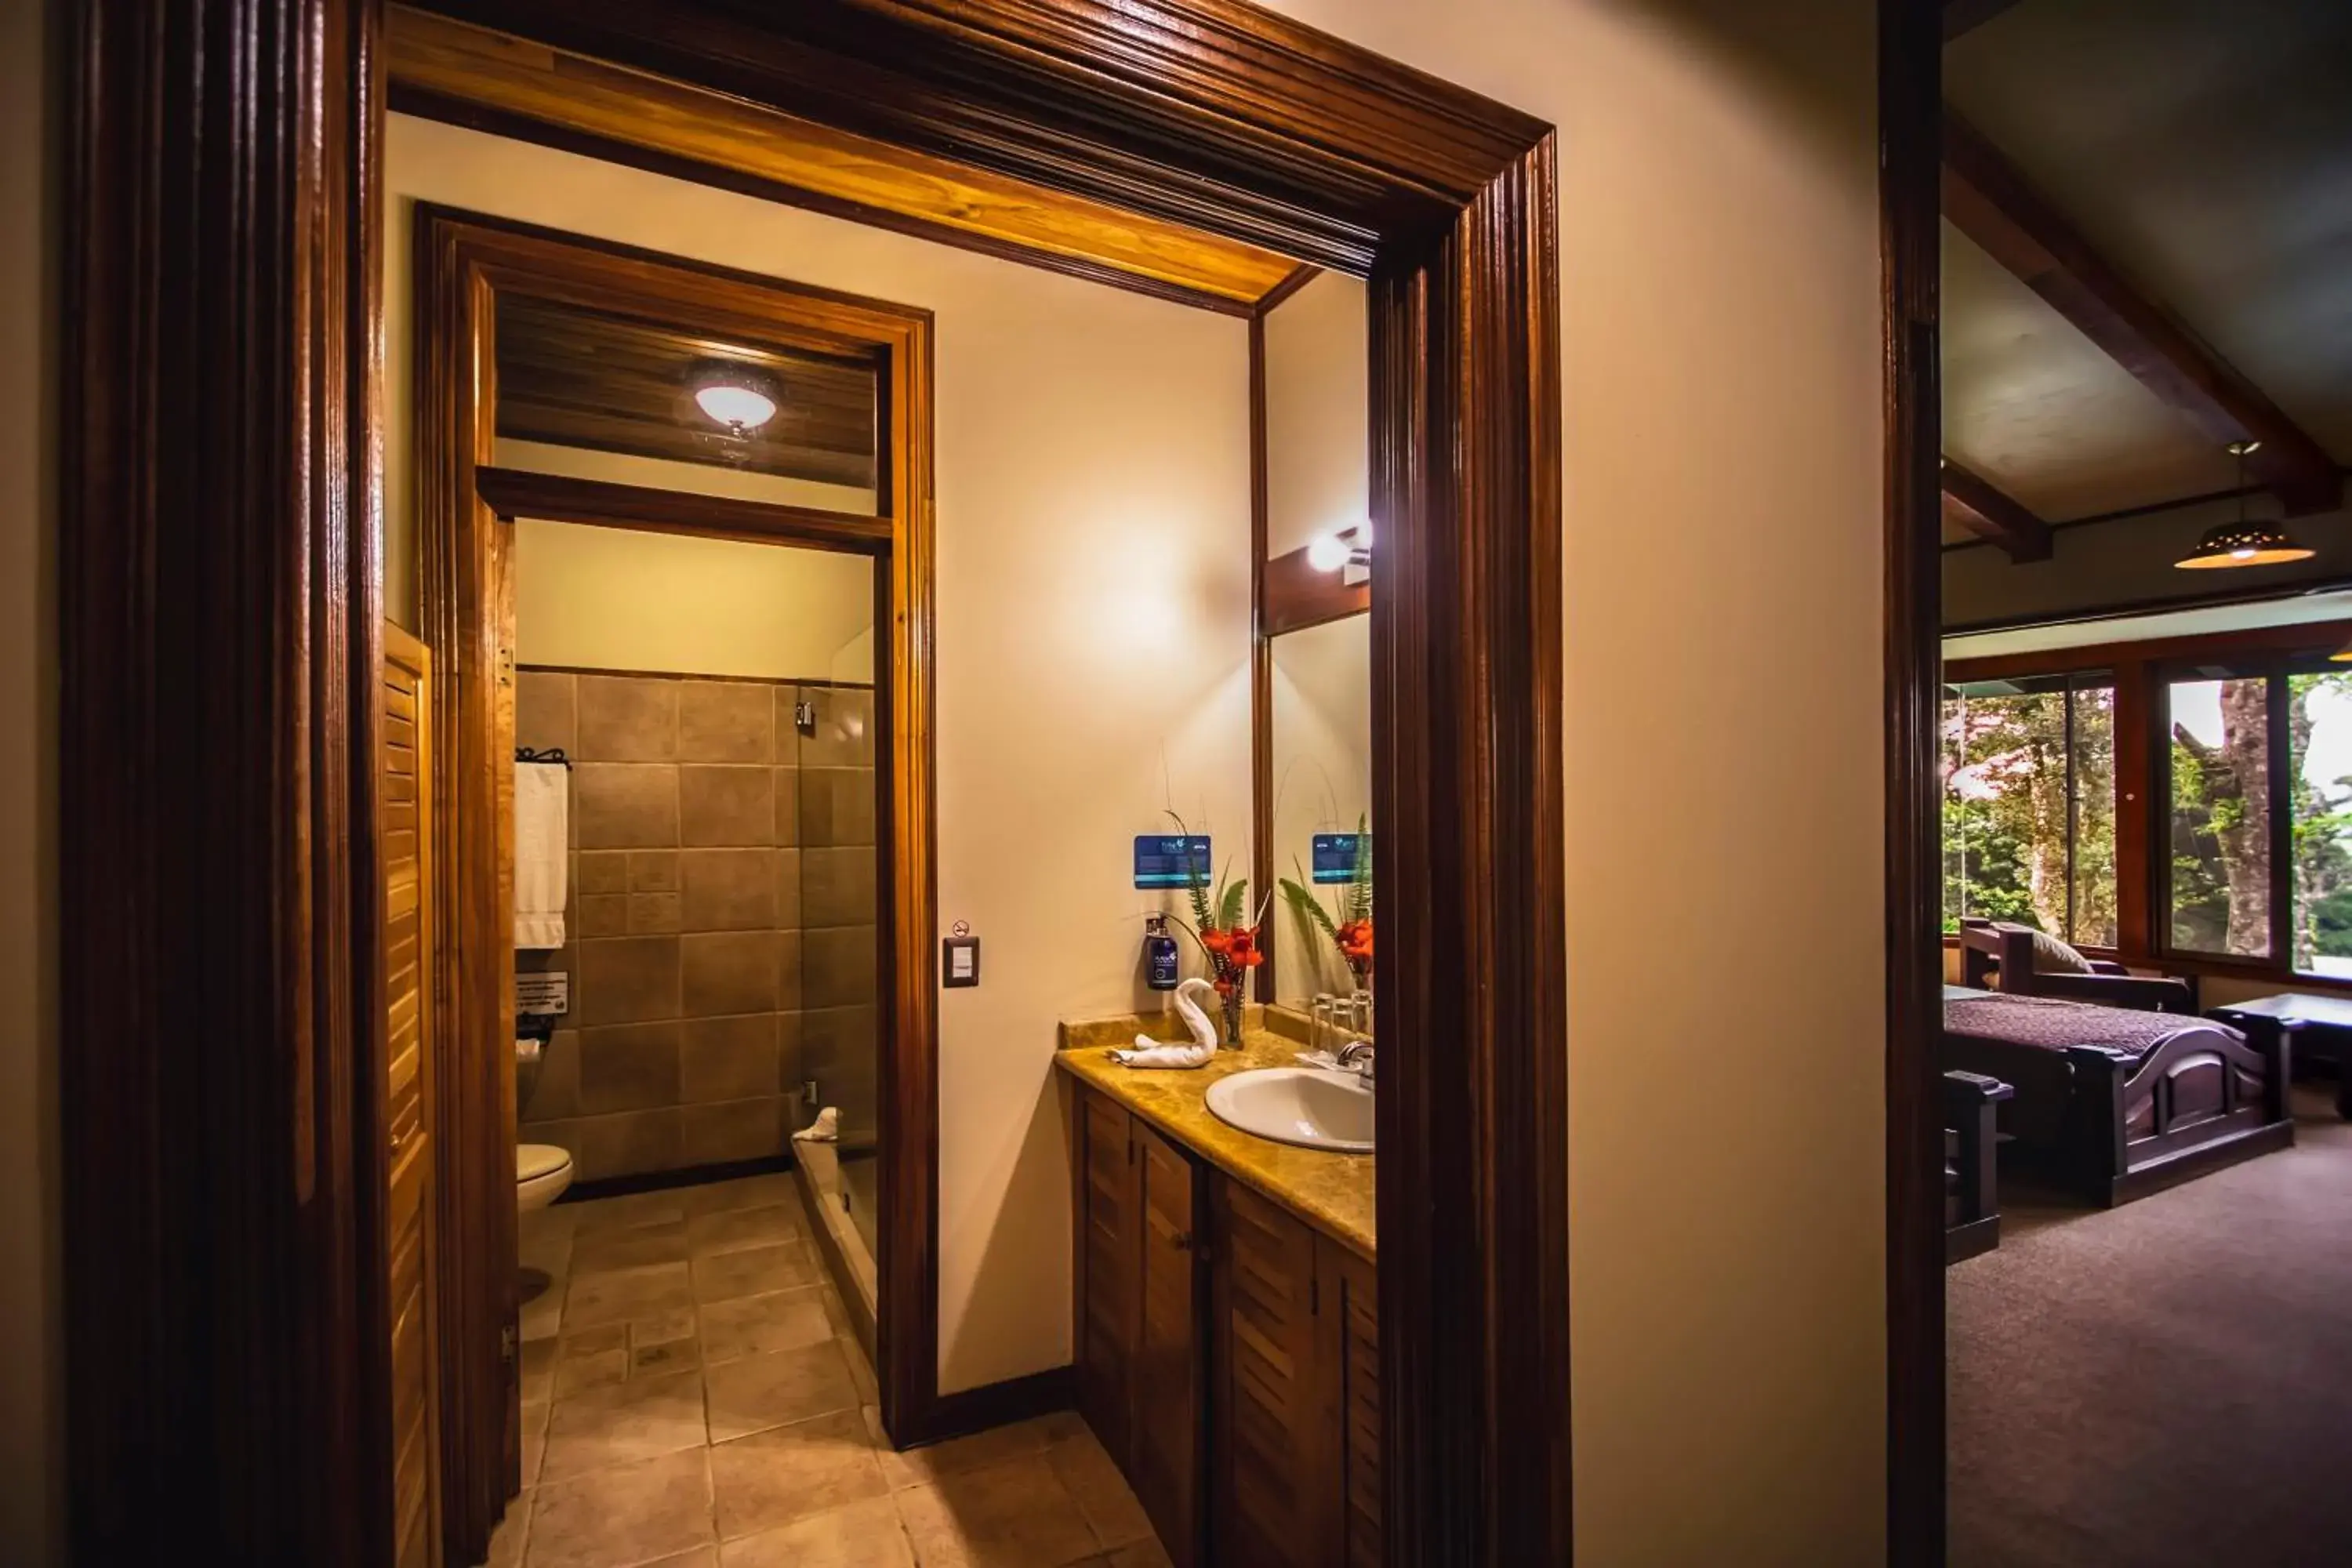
2221,818
2030,805
2319,734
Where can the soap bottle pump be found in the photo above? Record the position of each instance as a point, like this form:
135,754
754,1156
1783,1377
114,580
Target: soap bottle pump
1160,953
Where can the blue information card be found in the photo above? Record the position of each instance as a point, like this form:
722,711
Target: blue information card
1170,860
1335,856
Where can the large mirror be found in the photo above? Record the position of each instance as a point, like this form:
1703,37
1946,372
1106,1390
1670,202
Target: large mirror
1320,742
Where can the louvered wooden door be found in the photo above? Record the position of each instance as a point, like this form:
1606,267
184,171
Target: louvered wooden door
1165,1446
403,839
1348,1293
1271,1451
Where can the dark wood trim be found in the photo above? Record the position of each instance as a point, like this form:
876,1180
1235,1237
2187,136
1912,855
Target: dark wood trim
1207,113
513,493
1910,65
2303,637
1467,779
2140,824
1985,511
1261,667
2252,595
1295,595
1308,272
992,1405
467,264
220,983
1992,201
428,105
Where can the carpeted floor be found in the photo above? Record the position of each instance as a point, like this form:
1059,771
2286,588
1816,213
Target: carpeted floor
2167,1385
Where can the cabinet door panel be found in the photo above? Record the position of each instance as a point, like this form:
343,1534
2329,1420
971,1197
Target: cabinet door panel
1107,1268
1271,1456
1350,1289
1164,1446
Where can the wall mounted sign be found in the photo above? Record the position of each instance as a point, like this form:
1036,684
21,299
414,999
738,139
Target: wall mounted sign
544,994
1170,860
1335,856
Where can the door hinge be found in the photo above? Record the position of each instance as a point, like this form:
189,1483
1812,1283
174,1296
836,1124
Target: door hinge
1313,1295
507,1346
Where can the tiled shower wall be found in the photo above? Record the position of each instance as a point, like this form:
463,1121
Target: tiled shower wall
721,923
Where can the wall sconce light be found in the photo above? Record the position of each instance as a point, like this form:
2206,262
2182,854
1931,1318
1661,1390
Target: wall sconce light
741,396
1348,550
2244,542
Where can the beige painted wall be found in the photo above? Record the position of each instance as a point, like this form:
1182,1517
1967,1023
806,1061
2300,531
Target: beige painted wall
1318,414
1093,642
31,1326
611,598
1322,759
2099,565
1720,354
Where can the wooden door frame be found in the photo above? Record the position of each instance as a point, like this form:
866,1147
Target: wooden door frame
466,263
1910,134
259,267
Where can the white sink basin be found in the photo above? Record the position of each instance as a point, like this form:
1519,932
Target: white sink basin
1307,1105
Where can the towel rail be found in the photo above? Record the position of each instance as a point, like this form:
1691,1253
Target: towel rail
553,755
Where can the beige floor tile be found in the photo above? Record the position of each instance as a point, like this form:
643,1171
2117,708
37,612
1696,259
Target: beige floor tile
730,1230
628,1246
577,1373
636,1209
615,1298
863,1535
701,1557
623,1424
665,1356
722,1276
1013,1515
1101,1493
1142,1554
743,1193
591,1342
922,1466
534,1440
537,1370
756,1392
543,1315
629,1514
785,1473
753,1325
513,1529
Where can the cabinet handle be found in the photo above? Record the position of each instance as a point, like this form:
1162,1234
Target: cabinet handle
1180,1242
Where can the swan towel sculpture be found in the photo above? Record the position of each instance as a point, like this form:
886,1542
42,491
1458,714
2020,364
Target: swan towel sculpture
1150,1053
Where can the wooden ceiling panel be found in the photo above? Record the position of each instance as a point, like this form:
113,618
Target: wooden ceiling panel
580,378
454,70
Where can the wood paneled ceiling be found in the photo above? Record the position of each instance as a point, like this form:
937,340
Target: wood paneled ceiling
452,71
2190,273
581,378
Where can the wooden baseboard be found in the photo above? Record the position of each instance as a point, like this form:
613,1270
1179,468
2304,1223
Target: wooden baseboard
662,1181
970,1410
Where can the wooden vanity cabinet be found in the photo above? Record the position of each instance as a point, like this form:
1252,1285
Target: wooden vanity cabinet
1141,1355
1228,1355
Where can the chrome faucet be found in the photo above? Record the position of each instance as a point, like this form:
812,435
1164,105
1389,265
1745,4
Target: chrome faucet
1358,1053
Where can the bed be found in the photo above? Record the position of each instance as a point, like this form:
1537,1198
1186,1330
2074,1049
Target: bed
2116,1103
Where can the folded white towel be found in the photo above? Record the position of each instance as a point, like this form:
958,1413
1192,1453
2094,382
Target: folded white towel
826,1128
543,852
1150,1053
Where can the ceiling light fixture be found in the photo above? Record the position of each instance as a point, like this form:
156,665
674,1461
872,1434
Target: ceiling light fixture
2244,542
741,396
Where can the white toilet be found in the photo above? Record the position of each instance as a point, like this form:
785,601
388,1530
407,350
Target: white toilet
541,1173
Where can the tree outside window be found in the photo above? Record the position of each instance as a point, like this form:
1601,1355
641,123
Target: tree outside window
2029,822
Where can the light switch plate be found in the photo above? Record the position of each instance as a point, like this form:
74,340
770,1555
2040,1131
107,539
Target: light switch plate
959,962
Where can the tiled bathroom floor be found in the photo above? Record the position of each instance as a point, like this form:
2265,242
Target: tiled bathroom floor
693,1398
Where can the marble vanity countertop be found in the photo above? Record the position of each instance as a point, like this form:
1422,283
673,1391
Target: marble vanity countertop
1329,1191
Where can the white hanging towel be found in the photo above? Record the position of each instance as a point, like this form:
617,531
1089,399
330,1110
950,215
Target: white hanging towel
542,842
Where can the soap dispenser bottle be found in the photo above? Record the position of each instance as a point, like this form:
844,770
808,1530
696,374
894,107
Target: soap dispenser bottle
1160,953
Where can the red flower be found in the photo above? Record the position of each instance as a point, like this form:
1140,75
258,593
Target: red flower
1217,941
1225,987
1244,941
